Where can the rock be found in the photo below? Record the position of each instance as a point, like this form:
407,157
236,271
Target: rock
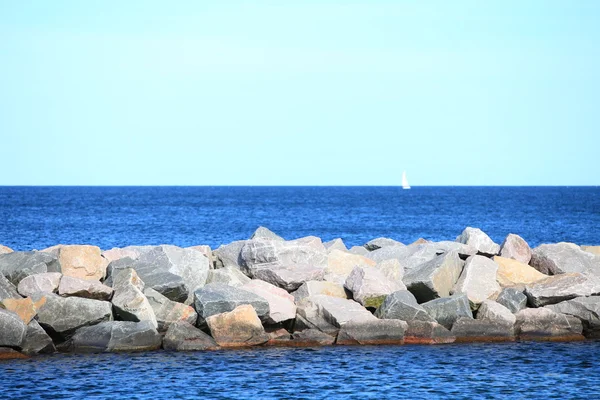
278,337
115,336
217,298
23,307
264,233
340,264
207,252
12,329
237,328
545,324
423,332
555,289
435,278
311,288
397,252
41,283
595,250
281,303
37,340
447,310
512,272
183,336
420,241
359,251
168,312
478,280
380,243
513,299
132,252
392,270
477,238
332,310
479,330
10,354
335,244
82,261
561,258
7,289
495,312
402,305
5,250
309,316
129,300
61,316
370,287
170,270
70,286
586,309
229,255
516,248
18,265
231,276
373,332
310,338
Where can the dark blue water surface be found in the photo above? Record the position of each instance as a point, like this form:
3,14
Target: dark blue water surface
38,217
469,371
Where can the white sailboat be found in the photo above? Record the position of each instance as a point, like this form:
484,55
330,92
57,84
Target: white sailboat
405,184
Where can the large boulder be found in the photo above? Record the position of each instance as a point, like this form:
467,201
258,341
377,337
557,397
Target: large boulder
495,312
512,298
595,250
285,264
62,316
555,289
115,336
168,312
434,278
369,286
358,250
340,264
129,300
373,332
40,283
183,336
381,242
309,338
82,261
264,233
281,303
561,258
240,327
397,252
482,330
217,298
228,255
20,264
172,271
5,249
7,289
516,248
477,238
514,273
90,289
424,332
12,329
392,270
207,252
132,252
586,309
37,340
545,324
231,276
25,308
328,313
335,244
447,310
311,288
478,280
402,305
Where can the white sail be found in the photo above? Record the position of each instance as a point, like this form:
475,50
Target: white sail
405,184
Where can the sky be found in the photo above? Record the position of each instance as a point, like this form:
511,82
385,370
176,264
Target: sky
299,92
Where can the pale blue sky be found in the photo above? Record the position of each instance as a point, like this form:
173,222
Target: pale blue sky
299,92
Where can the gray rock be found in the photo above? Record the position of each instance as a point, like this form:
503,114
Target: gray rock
495,312
560,258
516,248
398,252
586,309
447,310
20,264
115,336
132,252
545,324
332,311
7,289
435,278
129,301
40,283
513,299
369,286
281,303
264,233
229,255
335,244
380,243
231,276
402,305
70,286
392,270
216,298
479,330
183,336
312,288
37,340
375,332
555,289
62,316
359,251
310,338
168,312
12,329
478,280
477,238
423,332
309,317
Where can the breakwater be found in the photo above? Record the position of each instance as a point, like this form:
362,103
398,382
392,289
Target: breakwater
267,291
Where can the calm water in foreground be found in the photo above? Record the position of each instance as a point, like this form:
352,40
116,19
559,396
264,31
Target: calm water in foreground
517,370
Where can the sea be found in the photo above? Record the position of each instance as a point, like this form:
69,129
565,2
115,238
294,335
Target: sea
39,217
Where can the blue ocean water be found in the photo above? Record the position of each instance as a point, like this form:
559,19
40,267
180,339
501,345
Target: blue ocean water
467,371
38,217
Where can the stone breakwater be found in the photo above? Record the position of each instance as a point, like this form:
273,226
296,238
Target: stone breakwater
267,291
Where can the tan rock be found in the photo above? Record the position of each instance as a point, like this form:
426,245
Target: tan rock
311,288
5,250
70,286
24,308
513,273
590,249
82,261
340,264
238,328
